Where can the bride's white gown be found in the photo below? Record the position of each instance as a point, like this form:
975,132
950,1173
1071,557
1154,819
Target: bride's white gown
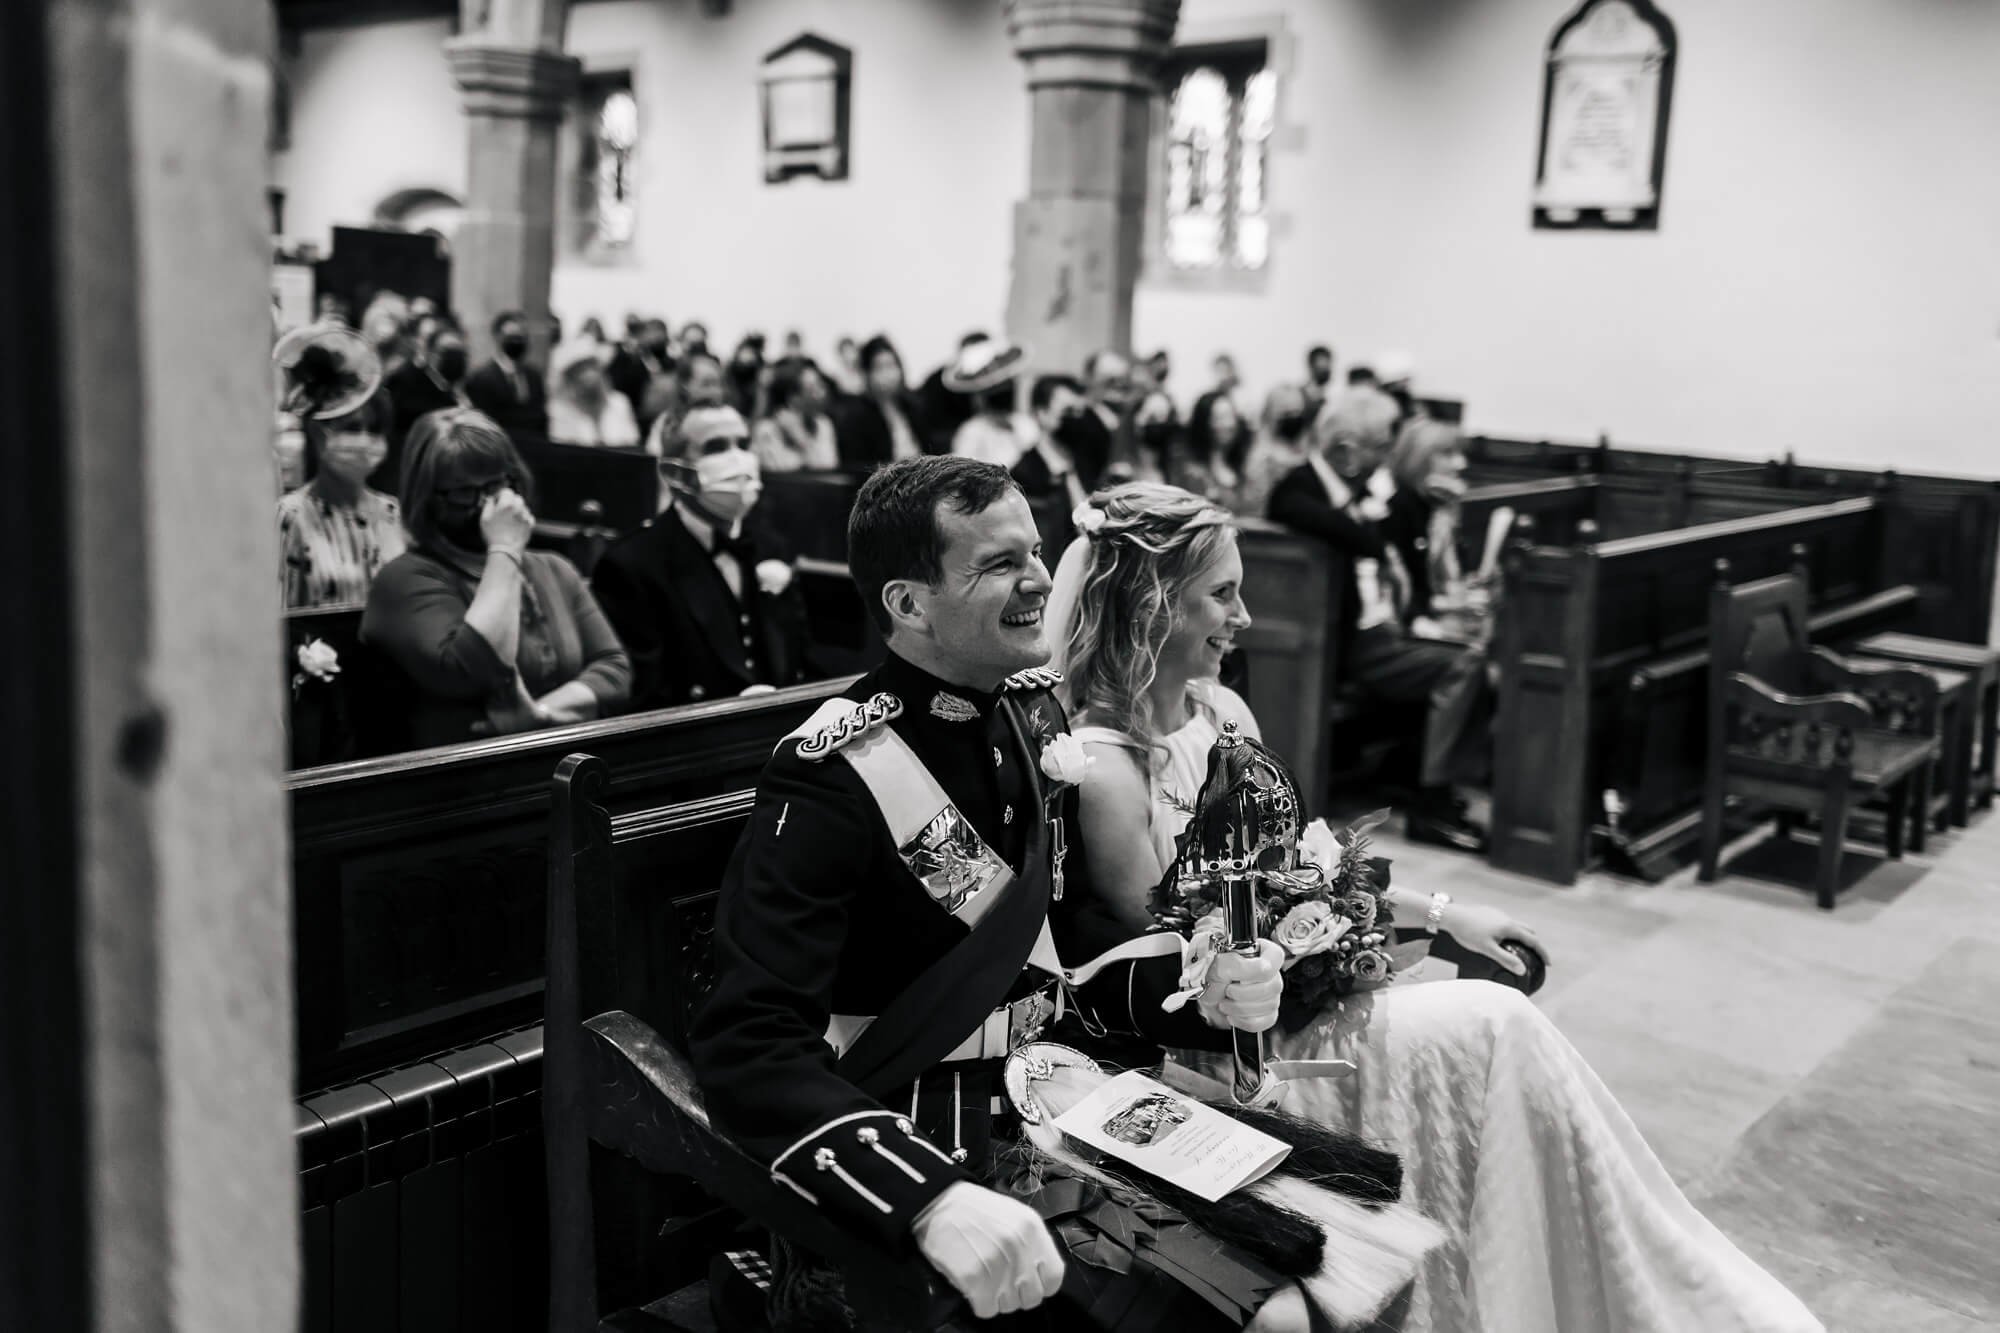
1561,1218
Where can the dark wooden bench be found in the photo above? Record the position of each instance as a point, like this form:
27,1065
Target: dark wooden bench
1582,624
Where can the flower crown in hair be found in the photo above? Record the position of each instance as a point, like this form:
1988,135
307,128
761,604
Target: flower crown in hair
1088,519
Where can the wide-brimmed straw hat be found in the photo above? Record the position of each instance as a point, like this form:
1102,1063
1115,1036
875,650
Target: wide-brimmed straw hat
985,365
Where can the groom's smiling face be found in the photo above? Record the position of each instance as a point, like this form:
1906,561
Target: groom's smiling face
986,610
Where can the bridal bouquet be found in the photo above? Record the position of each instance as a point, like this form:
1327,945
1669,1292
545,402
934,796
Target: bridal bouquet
1330,915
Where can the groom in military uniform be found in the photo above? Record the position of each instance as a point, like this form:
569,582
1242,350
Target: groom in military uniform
895,921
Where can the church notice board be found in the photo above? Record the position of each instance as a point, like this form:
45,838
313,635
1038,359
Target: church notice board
1607,87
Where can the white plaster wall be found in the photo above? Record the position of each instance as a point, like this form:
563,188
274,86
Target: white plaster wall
1826,277
373,112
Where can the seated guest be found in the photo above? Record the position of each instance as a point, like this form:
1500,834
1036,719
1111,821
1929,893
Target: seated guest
848,381
1337,498
585,409
797,432
880,425
507,389
984,377
1218,443
1393,373
700,382
940,411
643,370
1279,446
694,339
494,637
1428,467
1047,473
434,380
1156,425
334,533
1103,436
702,595
746,376
1319,379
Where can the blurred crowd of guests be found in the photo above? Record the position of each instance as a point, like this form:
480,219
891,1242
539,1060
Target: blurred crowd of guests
417,507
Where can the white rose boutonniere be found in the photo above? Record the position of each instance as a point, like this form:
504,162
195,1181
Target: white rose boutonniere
1309,928
1064,761
318,659
1197,959
773,577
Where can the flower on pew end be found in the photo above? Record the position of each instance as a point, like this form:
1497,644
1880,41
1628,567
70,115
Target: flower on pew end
318,660
773,577
1065,761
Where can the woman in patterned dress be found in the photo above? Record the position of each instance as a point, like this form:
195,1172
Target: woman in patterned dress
334,532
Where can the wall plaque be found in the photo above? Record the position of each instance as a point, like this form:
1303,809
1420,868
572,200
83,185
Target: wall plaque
1607,85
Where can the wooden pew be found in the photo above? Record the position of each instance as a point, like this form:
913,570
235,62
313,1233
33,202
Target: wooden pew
810,509
1288,587
1580,622
1942,532
418,879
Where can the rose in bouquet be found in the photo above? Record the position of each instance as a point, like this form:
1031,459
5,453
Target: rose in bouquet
1326,909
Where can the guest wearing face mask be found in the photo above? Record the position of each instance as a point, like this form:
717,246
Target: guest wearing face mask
507,389
703,594
1048,473
432,382
334,533
585,408
494,637
1279,447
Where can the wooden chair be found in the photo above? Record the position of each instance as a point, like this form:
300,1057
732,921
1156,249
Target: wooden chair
618,1091
1802,729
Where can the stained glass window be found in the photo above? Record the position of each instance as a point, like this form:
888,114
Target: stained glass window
1221,109
604,213
617,138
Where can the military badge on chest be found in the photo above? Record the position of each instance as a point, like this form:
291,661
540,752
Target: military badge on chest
950,861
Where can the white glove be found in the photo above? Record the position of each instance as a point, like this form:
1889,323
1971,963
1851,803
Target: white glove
1243,992
996,1251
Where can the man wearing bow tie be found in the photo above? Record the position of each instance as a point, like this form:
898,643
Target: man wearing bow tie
702,596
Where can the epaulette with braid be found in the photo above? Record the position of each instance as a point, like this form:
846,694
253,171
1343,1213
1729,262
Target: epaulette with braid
1034,678
864,718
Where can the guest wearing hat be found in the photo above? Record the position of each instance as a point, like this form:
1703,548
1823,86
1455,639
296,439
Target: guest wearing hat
984,374
941,410
703,596
585,409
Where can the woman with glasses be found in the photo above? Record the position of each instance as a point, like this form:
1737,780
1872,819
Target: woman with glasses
496,638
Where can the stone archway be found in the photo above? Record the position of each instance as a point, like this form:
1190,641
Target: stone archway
422,209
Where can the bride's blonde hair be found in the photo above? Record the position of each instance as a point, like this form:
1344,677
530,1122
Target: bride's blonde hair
1151,542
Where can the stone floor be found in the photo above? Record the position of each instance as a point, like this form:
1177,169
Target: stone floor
1826,1085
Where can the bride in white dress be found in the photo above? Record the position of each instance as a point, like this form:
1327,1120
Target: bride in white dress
1561,1218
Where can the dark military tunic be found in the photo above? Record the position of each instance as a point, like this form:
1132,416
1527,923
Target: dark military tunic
819,916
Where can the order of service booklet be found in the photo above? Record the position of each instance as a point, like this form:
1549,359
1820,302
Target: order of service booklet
1145,1122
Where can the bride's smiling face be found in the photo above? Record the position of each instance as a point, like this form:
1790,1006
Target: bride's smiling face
1208,615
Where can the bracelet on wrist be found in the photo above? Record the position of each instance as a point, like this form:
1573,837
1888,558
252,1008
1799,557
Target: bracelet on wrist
511,554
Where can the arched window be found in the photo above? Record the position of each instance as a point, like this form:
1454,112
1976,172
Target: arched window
605,215
1220,110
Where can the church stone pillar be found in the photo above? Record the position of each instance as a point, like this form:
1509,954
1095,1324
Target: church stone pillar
517,84
1092,73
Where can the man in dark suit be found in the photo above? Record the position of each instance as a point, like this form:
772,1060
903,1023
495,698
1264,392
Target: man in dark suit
1049,474
507,388
1340,497
643,370
702,596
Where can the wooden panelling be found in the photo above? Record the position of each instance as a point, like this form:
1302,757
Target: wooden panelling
418,880
1579,622
1287,586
